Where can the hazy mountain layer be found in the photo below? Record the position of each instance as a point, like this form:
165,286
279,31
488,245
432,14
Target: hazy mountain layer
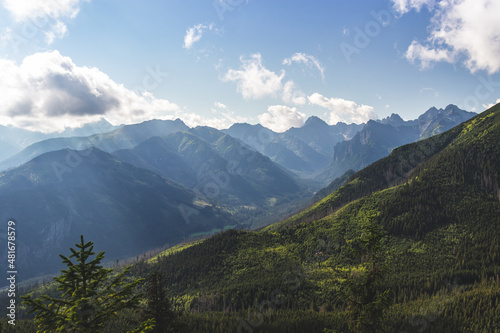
216,166
59,195
120,138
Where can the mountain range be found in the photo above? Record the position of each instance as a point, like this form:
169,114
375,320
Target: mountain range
305,150
378,138
435,205
146,179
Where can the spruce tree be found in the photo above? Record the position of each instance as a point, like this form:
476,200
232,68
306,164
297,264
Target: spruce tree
91,295
159,307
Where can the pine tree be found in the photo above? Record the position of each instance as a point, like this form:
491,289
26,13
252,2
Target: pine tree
92,295
159,307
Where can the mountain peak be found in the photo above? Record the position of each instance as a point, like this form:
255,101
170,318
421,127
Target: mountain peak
179,121
451,107
394,119
315,121
245,126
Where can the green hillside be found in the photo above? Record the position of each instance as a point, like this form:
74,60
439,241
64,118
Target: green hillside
436,205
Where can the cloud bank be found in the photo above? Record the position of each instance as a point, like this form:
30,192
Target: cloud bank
47,92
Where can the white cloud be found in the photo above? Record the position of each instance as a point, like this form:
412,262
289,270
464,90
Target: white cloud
47,16
220,105
461,30
35,9
6,36
280,118
307,60
58,30
428,55
342,110
195,33
487,106
430,90
48,92
404,6
291,95
254,80
222,120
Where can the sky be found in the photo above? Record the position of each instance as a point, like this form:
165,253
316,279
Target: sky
65,63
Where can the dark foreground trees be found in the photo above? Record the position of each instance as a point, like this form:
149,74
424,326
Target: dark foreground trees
158,306
91,295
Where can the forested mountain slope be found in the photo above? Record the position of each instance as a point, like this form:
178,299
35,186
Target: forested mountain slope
437,201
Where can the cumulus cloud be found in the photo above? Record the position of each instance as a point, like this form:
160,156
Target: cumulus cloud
280,118
254,80
195,33
427,55
307,60
342,110
48,92
466,31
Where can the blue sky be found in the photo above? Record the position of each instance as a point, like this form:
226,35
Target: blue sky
216,62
